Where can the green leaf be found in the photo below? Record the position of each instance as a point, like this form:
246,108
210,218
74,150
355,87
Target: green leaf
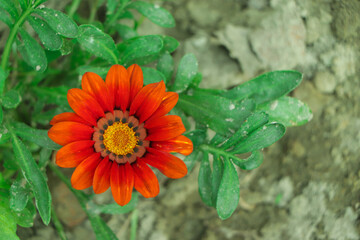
54,95
191,160
197,136
45,157
32,52
114,208
139,47
101,229
170,44
154,13
196,80
96,42
220,114
11,99
61,23
125,32
229,191
25,218
47,35
253,122
166,65
205,181
217,174
152,76
266,87
288,111
34,177
101,71
260,138
5,18
40,137
252,162
1,115
19,195
7,221
4,134
186,72
9,7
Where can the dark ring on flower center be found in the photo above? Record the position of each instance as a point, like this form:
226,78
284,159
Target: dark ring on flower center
120,137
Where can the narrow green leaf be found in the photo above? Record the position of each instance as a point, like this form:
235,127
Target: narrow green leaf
101,71
40,137
61,23
26,217
152,76
254,161
11,99
229,191
220,114
5,18
32,52
288,111
19,195
266,87
154,13
23,4
44,159
205,181
253,122
34,177
197,136
115,208
260,138
10,8
101,229
47,35
196,80
4,134
166,65
139,47
54,95
125,32
186,72
217,174
96,42
191,160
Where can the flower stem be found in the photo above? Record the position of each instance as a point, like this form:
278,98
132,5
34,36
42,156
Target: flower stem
58,225
220,152
134,223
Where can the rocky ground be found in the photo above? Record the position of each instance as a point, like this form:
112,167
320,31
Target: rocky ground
308,186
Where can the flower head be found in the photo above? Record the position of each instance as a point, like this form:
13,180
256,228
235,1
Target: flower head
119,127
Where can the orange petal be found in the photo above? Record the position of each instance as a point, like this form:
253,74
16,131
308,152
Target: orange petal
164,128
179,144
72,154
146,182
118,83
67,117
136,80
101,181
83,175
85,105
168,102
96,87
148,100
122,182
168,164
66,132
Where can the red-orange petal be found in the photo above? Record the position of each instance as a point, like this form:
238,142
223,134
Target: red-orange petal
101,181
164,128
66,132
168,102
146,182
72,154
96,87
85,105
118,83
67,117
179,144
136,80
169,165
83,175
122,183
148,100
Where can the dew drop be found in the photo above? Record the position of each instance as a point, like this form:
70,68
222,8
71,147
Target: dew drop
37,68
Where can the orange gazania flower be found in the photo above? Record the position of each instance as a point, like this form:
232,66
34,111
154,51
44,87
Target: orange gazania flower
119,128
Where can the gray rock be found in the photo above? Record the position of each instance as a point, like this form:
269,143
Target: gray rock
325,82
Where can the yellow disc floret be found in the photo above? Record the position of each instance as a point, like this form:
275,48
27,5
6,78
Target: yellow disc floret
120,139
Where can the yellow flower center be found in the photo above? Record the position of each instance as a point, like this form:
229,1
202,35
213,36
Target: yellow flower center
120,139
